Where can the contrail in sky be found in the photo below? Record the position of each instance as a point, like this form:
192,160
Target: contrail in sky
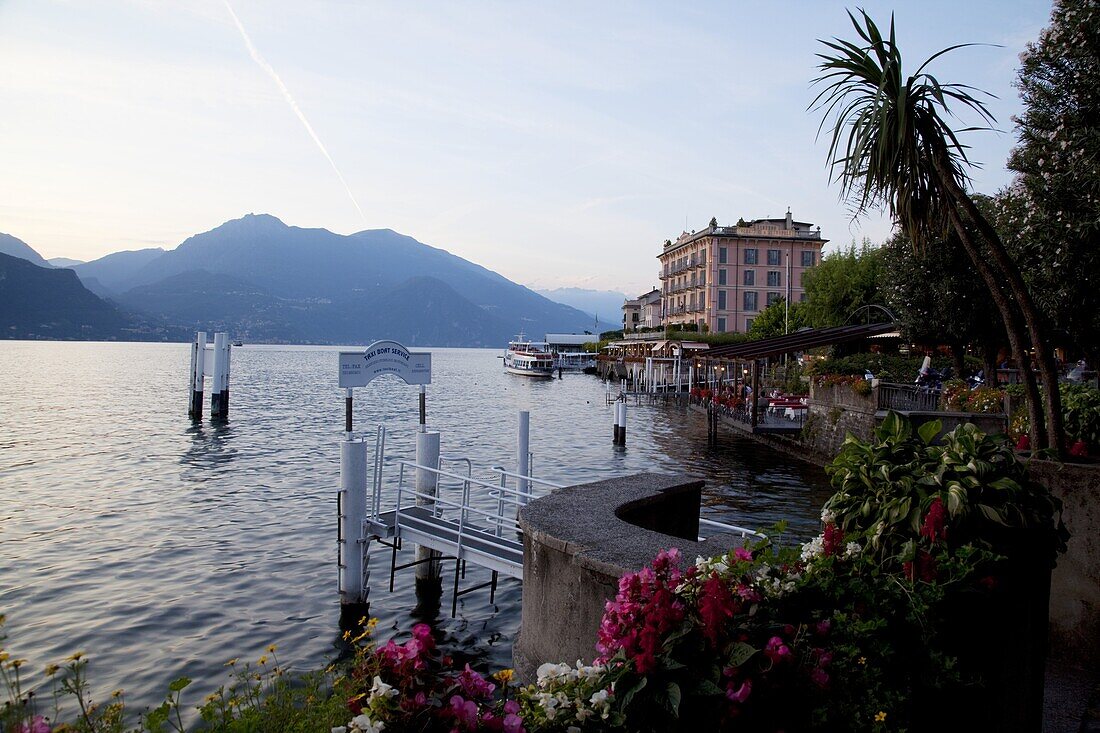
293,105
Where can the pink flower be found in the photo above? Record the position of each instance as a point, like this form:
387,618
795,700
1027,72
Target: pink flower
743,554
513,723
819,677
511,706
38,725
822,627
741,693
465,711
474,685
776,650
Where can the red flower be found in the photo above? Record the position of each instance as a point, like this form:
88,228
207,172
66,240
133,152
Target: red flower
934,527
833,540
716,605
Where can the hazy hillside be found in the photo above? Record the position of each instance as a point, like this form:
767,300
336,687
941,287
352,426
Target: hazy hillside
114,272
44,302
64,262
264,281
314,276
607,304
14,247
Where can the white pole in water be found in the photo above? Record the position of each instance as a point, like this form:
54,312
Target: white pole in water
219,390
198,358
622,424
523,455
353,505
615,423
429,587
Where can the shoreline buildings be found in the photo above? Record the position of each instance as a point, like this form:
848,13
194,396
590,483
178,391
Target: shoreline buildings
720,278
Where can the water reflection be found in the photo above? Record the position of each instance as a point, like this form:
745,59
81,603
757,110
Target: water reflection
209,448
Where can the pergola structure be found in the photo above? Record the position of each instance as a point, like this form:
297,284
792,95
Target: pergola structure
726,361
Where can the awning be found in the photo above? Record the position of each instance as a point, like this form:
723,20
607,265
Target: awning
694,346
658,345
800,341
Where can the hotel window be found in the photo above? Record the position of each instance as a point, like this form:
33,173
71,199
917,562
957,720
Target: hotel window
773,279
750,300
748,324
772,297
721,325
721,300
722,255
750,256
721,276
773,257
750,277
809,258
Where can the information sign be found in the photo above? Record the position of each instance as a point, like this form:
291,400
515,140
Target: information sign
359,368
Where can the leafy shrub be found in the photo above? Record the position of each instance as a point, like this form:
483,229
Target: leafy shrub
887,367
884,487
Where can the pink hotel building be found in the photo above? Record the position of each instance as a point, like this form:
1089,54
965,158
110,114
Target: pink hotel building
722,277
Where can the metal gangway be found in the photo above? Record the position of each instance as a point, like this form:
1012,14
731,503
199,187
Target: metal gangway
462,519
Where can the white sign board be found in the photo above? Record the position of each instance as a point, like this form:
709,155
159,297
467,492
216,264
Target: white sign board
358,368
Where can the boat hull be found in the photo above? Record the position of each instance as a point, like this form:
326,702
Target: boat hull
536,373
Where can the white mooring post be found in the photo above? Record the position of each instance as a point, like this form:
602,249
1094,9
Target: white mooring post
198,359
523,455
429,585
622,424
219,390
354,587
615,423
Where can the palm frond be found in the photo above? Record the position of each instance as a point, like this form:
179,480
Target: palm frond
889,142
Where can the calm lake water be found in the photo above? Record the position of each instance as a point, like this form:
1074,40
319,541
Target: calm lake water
162,548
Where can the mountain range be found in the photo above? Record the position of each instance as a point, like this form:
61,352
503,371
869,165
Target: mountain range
264,281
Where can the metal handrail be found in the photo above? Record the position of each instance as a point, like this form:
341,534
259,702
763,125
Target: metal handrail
732,528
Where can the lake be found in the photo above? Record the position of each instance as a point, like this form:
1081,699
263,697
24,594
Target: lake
163,548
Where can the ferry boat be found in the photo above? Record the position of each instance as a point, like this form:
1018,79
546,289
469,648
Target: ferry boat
528,358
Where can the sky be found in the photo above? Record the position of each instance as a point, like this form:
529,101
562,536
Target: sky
557,143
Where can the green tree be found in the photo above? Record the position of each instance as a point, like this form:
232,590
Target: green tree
891,146
844,281
777,320
1051,214
932,292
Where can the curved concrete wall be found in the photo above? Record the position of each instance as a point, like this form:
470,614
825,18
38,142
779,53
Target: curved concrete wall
578,542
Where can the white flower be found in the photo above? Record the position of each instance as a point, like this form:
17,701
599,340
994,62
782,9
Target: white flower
828,516
852,549
363,724
813,548
381,689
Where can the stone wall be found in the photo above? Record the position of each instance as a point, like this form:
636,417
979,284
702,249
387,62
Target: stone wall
1075,583
834,411
577,543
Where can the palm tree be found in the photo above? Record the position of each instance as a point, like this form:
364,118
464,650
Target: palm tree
892,147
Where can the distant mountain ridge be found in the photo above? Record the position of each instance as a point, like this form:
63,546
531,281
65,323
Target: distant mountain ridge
47,302
15,247
266,281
